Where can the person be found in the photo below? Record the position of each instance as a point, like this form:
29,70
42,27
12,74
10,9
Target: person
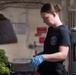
56,45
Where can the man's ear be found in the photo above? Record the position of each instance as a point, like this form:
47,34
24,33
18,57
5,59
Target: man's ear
54,14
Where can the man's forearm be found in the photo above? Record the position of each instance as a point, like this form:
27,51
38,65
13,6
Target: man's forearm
54,57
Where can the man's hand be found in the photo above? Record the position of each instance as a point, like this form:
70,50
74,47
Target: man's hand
35,61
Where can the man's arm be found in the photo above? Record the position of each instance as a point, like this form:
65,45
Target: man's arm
58,56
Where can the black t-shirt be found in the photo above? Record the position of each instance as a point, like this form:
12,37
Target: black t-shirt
55,37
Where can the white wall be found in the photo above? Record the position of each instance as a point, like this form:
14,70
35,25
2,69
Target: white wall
18,15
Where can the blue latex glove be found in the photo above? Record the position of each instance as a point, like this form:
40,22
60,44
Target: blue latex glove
35,61
38,53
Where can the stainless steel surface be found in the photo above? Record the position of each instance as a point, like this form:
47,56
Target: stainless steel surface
20,60
21,64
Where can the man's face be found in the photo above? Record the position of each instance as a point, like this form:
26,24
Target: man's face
48,18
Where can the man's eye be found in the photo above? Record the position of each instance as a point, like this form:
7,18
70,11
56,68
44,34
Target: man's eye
46,18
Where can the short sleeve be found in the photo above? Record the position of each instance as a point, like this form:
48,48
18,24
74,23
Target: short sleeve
64,37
